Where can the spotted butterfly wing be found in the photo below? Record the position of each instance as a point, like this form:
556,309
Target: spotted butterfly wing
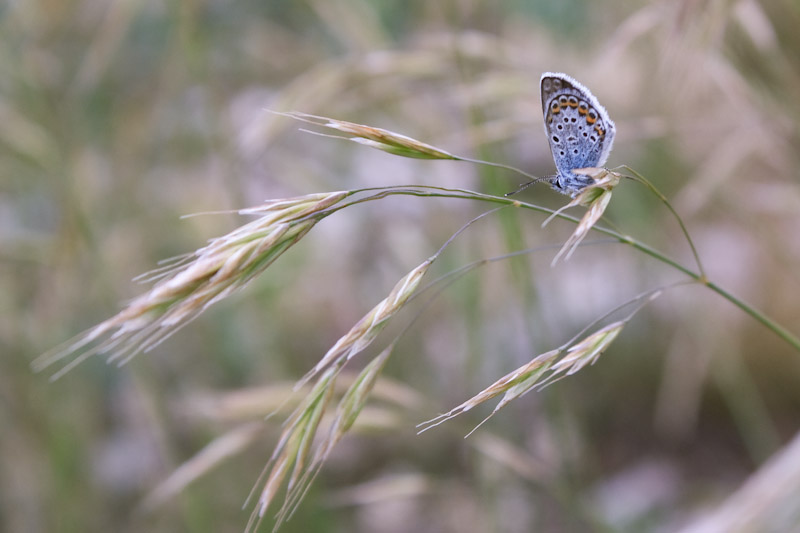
578,129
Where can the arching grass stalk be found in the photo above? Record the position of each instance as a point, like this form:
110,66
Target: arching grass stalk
652,188
543,370
187,288
699,277
405,146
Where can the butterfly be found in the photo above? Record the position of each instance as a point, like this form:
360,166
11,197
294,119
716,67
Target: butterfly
578,129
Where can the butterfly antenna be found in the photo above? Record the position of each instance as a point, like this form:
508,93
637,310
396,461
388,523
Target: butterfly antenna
524,186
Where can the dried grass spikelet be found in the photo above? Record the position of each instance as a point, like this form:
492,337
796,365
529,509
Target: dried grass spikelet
550,366
536,374
596,197
381,139
512,385
304,445
188,286
295,451
587,351
390,142
370,325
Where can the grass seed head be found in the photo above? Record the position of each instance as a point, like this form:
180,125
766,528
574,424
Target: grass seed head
187,288
596,198
588,350
370,325
379,138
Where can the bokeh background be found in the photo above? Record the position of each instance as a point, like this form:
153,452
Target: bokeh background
117,118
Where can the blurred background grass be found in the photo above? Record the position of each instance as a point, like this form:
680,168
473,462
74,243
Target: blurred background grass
116,118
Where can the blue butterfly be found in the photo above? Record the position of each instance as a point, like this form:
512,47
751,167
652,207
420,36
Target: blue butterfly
578,129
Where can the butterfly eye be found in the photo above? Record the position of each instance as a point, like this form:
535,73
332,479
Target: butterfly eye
583,108
562,100
573,102
591,118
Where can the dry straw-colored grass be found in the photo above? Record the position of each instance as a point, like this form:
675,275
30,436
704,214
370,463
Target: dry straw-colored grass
186,288
119,118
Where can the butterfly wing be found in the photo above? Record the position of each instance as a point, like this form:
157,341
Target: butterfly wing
578,128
